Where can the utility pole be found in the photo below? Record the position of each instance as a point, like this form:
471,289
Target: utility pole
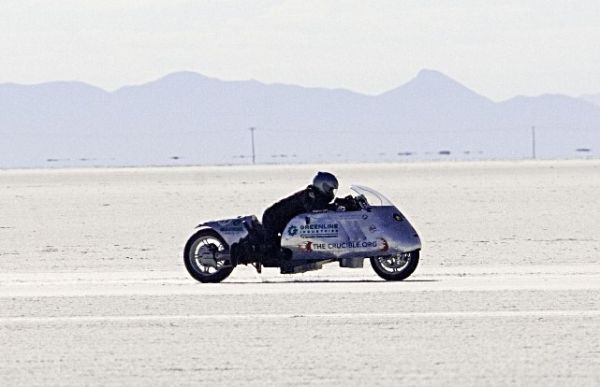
533,142
252,129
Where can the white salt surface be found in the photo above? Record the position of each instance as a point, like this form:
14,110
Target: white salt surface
93,289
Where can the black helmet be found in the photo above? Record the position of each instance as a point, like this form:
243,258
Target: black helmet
326,184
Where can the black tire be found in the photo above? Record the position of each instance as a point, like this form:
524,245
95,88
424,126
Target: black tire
389,272
203,239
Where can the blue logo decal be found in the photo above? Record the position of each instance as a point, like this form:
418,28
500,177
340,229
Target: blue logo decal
293,230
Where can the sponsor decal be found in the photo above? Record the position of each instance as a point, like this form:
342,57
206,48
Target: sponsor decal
384,245
293,230
380,244
231,229
397,217
328,230
352,245
306,246
230,226
325,230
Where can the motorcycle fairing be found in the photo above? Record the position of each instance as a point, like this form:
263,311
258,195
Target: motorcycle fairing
232,230
374,231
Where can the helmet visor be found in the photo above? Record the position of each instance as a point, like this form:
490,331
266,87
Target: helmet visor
330,192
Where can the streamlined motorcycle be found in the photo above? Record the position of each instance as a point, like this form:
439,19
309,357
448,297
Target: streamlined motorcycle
374,229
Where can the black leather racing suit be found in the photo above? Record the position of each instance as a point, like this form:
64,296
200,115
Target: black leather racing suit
276,217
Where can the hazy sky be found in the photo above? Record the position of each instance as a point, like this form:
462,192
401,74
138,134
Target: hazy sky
498,48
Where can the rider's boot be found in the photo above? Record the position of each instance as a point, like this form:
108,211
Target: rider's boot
285,254
274,251
241,252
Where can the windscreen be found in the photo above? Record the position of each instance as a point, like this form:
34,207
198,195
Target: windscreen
373,197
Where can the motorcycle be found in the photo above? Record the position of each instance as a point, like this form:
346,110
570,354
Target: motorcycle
373,228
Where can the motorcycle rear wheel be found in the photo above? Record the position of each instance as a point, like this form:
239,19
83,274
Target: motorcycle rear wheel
202,247
396,268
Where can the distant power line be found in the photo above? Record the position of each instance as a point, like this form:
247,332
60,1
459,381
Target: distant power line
398,132
533,142
252,129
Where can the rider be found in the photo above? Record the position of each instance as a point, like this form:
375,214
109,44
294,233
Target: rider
316,196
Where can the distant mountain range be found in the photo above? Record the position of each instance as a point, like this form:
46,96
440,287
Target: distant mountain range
187,118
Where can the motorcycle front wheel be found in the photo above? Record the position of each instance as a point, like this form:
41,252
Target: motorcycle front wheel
205,257
397,267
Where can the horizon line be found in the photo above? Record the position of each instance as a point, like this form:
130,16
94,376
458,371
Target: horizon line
251,80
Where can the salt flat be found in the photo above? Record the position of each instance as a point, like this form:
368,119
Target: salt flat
93,289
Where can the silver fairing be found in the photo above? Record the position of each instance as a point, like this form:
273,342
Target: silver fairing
379,229
232,230
375,231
